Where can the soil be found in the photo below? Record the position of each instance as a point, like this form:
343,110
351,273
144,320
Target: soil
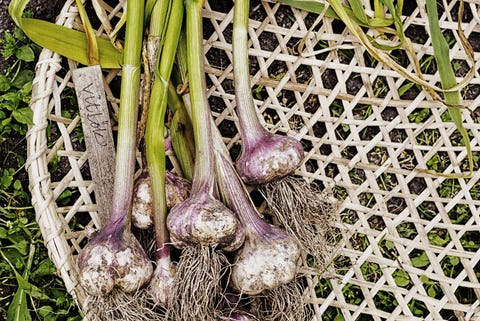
6,25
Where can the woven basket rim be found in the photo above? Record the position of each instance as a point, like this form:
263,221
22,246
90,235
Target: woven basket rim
354,165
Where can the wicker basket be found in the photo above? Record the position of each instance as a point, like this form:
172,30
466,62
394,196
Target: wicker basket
412,251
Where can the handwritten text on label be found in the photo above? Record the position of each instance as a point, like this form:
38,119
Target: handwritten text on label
95,115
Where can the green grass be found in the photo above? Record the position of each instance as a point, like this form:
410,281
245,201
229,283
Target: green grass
29,286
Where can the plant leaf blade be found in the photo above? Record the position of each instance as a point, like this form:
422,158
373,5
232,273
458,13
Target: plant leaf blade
18,309
70,43
64,41
447,76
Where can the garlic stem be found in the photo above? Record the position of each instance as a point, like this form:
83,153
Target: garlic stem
127,120
203,178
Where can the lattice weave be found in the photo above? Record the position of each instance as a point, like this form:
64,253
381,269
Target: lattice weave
412,251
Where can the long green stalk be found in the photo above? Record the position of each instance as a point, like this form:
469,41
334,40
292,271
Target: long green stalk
181,132
93,54
159,21
181,128
154,133
447,76
157,14
203,178
319,8
377,51
129,99
247,116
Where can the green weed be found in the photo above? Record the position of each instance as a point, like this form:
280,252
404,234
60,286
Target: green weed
31,290
16,84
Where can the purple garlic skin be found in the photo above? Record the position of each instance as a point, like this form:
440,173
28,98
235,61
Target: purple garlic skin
201,220
177,189
108,261
265,262
270,158
162,281
96,271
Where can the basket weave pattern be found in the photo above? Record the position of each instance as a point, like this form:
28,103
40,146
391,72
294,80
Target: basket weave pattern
365,135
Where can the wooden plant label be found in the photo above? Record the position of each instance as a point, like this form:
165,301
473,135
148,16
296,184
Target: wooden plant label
98,134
